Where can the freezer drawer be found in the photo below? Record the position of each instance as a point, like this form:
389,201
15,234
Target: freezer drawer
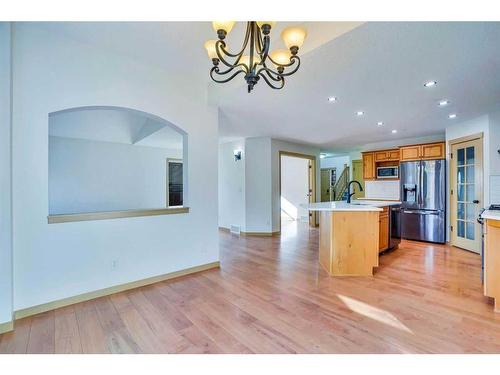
423,225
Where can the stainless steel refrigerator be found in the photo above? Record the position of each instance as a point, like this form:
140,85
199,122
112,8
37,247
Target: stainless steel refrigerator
423,196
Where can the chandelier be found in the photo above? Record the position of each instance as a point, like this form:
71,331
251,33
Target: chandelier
254,59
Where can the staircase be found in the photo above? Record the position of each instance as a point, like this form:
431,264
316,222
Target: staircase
339,190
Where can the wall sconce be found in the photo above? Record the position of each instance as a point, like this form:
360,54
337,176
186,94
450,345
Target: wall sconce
237,155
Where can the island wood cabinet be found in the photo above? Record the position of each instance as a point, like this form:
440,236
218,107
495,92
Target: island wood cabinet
492,261
368,166
427,151
383,230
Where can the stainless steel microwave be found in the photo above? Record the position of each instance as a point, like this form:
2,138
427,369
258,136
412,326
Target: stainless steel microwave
388,172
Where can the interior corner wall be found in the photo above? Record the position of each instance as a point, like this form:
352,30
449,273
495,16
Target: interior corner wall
232,185
56,261
258,185
6,281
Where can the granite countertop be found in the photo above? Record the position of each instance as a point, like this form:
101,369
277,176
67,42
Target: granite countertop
340,206
491,215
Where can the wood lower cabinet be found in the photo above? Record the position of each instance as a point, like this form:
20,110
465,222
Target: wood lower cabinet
492,261
368,166
383,230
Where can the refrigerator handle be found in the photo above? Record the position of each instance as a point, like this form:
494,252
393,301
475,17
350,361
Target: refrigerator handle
419,183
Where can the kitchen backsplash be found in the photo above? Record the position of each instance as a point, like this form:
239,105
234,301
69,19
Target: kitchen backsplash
382,189
495,189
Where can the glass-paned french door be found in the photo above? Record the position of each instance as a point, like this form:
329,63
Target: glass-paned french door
466,194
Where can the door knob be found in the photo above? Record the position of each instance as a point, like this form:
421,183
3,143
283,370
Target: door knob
475,201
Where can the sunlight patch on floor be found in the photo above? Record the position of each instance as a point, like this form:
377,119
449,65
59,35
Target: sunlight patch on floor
374,313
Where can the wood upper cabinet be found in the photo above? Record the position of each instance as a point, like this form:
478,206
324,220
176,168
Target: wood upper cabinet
380,155
433,151
386,155
409,153
393,155
423,152
383,230
368,166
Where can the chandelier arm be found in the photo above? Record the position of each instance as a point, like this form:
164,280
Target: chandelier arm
230,68
270,84
275,76
292,61
219,46
295,58
245,42
215,69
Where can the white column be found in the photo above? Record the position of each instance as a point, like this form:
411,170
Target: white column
6,305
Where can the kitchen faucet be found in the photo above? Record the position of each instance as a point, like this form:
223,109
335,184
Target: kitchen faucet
349,189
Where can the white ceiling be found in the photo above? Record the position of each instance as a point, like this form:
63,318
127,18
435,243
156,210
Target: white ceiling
376,67
379,68
114,125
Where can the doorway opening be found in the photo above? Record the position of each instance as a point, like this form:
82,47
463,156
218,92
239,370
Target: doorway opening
466,192
297,187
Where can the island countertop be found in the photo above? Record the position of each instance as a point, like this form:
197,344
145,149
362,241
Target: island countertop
491,215
356,205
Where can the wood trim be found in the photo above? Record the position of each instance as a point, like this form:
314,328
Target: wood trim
471,245
23,313
107,215
313,183
467,138
261,234
6,327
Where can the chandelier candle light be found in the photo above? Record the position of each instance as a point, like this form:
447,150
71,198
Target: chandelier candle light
255,64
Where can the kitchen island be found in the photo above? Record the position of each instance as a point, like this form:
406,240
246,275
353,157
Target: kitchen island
492,256
349,236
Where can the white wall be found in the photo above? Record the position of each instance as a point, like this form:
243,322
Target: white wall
258,185
494,183
91,176
294,187
337,162
5,175
232,185
54,261
260,191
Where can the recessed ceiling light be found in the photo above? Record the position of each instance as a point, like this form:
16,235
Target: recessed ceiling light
452,115
380,123
360,113
430,83
443,103
394,131
332,99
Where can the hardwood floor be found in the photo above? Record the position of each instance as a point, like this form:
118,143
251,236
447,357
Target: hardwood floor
270,296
